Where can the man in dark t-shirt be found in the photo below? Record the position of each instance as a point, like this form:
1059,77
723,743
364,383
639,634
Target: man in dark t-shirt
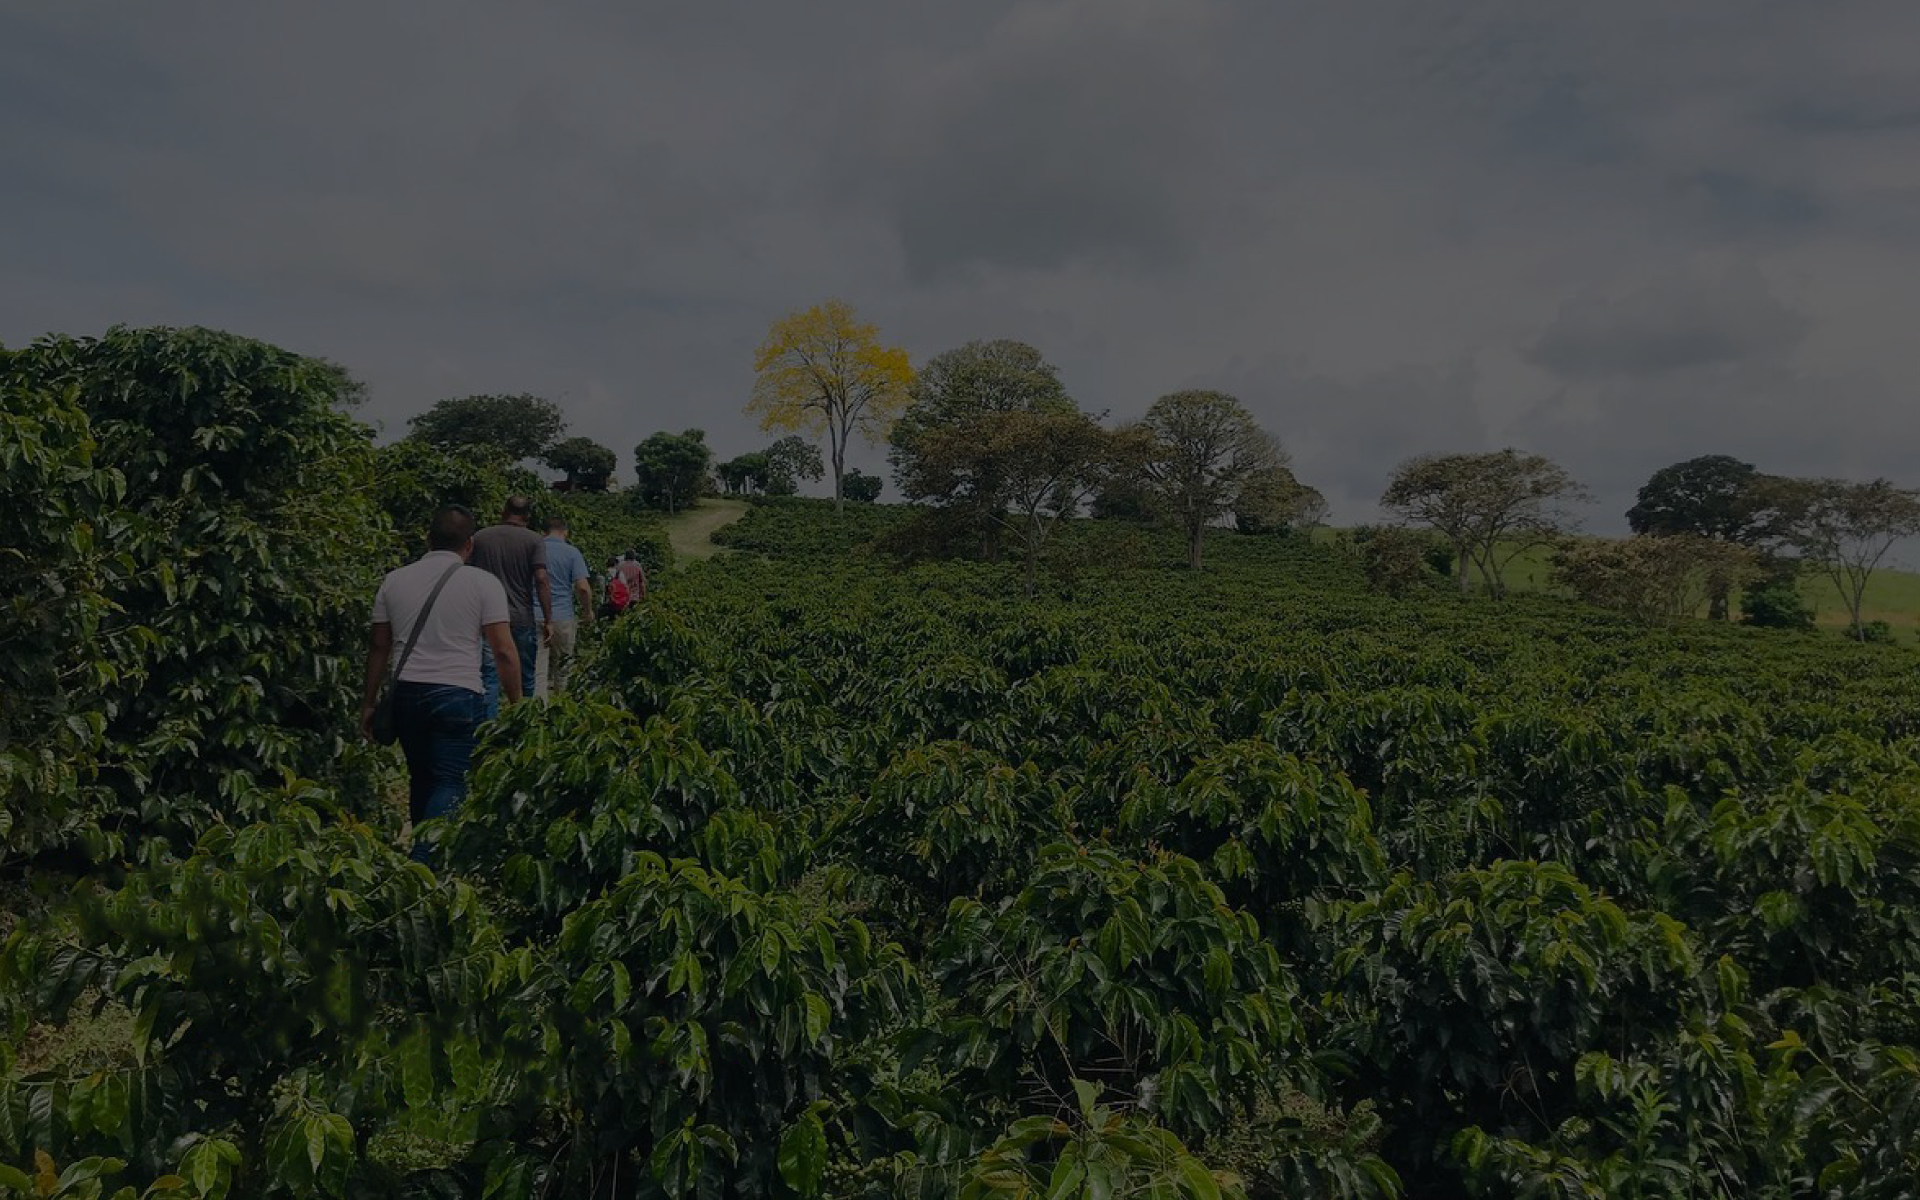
513,553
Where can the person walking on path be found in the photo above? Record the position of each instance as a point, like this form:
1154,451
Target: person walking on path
517,557
437,699
572,586
634,576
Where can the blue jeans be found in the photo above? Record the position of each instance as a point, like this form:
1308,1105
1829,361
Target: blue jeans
526,642
437,724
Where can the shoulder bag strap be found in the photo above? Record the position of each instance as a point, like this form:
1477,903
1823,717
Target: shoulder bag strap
420,622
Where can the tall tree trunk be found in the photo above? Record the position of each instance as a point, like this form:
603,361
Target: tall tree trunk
1717,602
1462,560
838,439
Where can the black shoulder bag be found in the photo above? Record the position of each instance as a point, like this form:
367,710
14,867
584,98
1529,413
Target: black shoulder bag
382,721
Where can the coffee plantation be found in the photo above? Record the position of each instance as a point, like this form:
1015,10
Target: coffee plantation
839,875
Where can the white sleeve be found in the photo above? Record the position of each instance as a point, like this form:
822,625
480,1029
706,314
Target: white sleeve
493,600
380,614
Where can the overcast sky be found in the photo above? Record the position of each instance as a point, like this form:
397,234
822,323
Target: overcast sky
1620,234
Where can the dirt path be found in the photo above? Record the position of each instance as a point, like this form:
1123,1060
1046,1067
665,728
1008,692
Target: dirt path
691,532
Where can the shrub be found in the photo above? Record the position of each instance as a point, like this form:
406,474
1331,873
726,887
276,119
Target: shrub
245,547
1396,560
1773,599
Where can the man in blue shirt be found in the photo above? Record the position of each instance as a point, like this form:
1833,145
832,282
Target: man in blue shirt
572,603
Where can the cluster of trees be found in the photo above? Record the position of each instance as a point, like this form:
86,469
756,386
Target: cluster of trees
988,436
671,471
512,429
1702,527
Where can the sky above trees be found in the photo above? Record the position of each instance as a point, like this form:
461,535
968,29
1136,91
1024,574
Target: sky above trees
1618,235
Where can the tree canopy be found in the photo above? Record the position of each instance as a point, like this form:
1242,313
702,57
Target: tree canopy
819,371
588,464
1044,463
1710,496
1205,458
1714,496
1491,506
1844,528
670,469
945,448
980,377
514,427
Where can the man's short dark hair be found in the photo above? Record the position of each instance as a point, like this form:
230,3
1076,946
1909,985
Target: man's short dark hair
556,524
452,527
519,506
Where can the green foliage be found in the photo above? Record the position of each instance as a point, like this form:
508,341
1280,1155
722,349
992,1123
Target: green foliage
1713,496
1205,458
231,612
577,791
357,980
699,1027
670,469
861,487
947,820
509,429
1399,560
775,471
790,460
588,464
842,875
802,528
1100,1151
1653,579
605,526
1774,599
414,479
55,611
1133,973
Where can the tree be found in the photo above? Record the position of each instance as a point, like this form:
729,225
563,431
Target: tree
1843,528
862,488
1276,501
980,377
515,427
963,389
1657,579
1045,463
588,464
1713,496
788,461
1206,458
822,371
743,474
670,469
1491,506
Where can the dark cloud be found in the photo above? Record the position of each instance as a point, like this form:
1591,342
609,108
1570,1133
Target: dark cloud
1076,129
1673,324
1609,233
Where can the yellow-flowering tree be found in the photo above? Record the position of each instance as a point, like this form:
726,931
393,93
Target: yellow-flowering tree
821,369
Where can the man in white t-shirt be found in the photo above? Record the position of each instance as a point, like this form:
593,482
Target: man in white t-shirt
437,699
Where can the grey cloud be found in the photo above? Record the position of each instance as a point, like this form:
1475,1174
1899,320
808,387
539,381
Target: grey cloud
608,203
1672,324
1078,130
1844,423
